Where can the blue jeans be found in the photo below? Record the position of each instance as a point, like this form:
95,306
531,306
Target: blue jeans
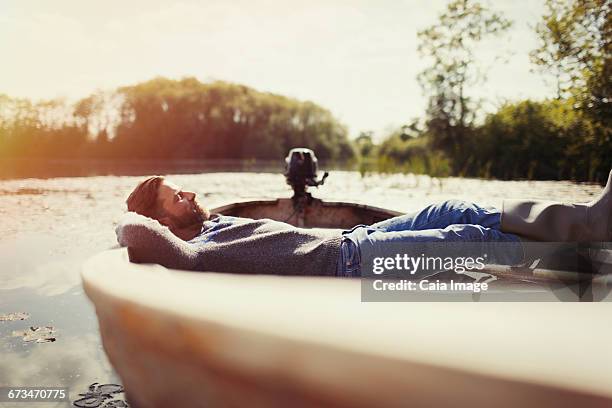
448,221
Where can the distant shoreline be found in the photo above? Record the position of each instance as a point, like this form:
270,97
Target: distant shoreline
50,168
23,168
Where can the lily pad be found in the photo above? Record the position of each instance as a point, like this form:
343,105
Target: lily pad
116,404
102,396
37,334
10,317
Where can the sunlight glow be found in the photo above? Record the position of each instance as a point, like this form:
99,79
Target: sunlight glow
357,58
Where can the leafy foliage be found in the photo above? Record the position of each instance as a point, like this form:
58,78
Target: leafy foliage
171,119
576,44
538,140
569,137
450,46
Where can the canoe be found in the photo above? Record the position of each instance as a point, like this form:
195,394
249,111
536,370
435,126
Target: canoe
194,339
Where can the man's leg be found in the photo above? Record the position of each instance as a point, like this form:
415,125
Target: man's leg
452,227
454,241
554,221
441,215
460,239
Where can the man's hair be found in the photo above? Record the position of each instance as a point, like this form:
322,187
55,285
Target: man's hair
143,200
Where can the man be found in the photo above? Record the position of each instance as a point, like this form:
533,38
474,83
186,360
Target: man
167,225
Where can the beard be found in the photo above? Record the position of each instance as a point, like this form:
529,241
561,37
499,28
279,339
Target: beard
197,215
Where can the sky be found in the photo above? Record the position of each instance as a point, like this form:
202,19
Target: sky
356,58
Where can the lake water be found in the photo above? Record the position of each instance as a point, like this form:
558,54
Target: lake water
50,226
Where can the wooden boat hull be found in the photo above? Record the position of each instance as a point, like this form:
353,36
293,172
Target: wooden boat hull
188,339
193,339
313,213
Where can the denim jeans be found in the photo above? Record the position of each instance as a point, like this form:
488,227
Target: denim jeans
449,221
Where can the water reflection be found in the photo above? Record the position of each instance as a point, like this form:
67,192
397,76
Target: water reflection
75,360
37,262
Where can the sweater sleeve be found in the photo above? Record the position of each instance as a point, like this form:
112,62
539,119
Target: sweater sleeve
150,242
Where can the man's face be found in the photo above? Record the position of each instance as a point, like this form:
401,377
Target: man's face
180,207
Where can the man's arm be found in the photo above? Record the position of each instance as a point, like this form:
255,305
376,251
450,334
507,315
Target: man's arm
150,242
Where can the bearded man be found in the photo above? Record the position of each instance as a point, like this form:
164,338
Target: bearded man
169,226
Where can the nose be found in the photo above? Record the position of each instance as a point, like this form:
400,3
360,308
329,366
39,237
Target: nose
189,195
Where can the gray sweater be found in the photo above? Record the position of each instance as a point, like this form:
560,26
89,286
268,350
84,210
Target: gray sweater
235,245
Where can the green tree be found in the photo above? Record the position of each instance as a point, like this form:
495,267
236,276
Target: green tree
365,144
450,44
535,140
411,154
555,46
164,118
576,45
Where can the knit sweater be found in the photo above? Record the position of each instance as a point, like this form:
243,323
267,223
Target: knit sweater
235,245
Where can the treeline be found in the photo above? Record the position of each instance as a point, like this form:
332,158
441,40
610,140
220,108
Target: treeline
547,140
568,137
171,119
